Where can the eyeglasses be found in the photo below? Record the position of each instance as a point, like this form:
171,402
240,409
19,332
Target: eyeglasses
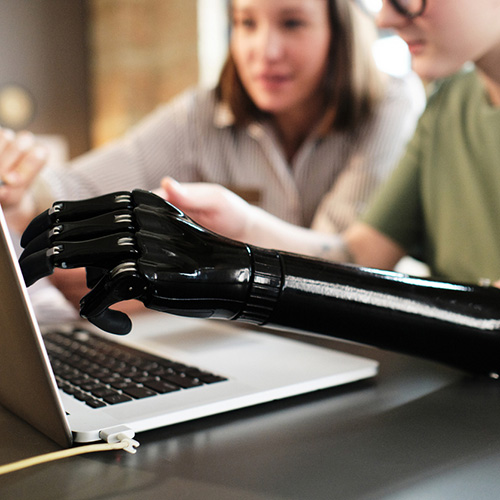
409,8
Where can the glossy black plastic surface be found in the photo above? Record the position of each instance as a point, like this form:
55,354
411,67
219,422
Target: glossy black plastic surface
451,323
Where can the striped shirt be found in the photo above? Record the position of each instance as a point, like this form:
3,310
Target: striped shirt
193,138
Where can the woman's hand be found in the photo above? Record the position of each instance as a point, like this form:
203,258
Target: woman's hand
223,212
212,206
21,159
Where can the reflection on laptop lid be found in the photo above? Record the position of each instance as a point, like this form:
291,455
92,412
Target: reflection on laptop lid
167,370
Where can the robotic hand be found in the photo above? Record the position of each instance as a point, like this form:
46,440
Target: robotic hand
136,245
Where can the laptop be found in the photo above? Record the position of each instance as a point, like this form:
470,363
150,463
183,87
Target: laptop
173,369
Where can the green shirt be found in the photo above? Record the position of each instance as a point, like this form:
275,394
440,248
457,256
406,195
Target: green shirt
443,201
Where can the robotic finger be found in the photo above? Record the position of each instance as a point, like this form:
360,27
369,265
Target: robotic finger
103,252
76,211
124,282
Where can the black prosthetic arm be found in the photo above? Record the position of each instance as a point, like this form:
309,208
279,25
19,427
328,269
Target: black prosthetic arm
137,246
451,323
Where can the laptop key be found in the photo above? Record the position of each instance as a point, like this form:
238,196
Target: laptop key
116,398
103,392
184,382
95,403
209,378
160,386
138,392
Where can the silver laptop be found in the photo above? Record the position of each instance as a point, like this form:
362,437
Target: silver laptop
173,369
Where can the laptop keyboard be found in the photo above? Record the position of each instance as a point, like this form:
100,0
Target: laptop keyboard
101,372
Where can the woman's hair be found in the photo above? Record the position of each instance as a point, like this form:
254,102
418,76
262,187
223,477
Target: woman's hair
352,85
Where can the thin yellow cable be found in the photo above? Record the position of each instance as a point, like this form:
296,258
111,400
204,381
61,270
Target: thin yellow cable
126,444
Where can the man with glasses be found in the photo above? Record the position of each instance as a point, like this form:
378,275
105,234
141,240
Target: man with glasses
443,200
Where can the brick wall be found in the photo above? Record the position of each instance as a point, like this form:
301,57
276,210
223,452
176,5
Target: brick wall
142,52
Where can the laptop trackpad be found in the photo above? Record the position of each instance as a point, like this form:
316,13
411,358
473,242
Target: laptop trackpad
202,339
189,335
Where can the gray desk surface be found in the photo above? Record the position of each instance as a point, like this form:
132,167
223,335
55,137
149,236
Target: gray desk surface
418,431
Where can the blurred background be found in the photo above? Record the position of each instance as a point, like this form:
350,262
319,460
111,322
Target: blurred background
81,72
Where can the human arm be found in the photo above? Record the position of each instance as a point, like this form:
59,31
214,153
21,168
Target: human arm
22,157
221,211
142,247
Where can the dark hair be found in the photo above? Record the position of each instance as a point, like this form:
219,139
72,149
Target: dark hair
352,84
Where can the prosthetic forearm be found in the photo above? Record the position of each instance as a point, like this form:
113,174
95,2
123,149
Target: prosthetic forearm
135,245
451,323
